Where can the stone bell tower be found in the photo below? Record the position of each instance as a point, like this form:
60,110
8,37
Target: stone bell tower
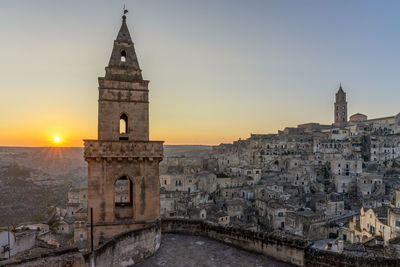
340,108
123,174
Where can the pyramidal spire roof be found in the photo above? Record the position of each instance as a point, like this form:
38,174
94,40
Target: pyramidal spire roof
123,34
123,54
340,89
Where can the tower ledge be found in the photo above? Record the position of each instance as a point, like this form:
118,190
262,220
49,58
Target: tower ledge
123,149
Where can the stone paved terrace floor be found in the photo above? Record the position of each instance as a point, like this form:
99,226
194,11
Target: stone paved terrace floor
182,250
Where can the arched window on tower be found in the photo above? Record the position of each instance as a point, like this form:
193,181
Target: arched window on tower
123,124
123,198
123,56
123,127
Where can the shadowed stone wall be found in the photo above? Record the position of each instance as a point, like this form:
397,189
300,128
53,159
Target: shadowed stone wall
127,248
67,256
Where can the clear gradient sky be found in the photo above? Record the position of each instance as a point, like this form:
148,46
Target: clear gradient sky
218,70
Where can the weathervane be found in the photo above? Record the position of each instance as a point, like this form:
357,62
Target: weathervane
125,10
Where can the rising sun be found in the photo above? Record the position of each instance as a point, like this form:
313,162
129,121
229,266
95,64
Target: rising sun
57,139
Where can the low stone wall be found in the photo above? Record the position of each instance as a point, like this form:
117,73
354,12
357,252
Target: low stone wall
281,246
68,256
316,257
134,246
127,248
285,248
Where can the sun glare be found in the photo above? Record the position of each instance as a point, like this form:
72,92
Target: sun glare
57,139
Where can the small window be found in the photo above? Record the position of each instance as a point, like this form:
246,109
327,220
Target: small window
123,124
123,56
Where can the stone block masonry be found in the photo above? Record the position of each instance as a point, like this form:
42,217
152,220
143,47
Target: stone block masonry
128,248
275,245
66,256
280,246
134,246
316,257
123,165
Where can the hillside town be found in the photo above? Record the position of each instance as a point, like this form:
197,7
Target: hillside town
311,195
336,186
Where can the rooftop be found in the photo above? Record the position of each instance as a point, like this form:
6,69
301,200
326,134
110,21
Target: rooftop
184,250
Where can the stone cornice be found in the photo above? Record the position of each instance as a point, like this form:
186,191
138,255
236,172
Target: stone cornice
131,101
121,150
124,81
124,89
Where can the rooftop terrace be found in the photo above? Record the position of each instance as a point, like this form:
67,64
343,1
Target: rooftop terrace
185,250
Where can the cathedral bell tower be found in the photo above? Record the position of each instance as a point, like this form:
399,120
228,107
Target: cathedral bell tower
123,165
340,112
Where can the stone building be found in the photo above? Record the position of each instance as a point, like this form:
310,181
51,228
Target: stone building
345,183
168,203
346,166
394,221
339,134
358,117
123,156
76,195
275,211
304,223
370,184
366,226
384,148
340,108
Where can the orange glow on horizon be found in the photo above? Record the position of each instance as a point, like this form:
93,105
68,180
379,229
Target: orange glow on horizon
38,140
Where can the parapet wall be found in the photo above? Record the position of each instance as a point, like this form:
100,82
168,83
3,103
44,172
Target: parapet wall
136,245
286,248
317,257
128,248
281,246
